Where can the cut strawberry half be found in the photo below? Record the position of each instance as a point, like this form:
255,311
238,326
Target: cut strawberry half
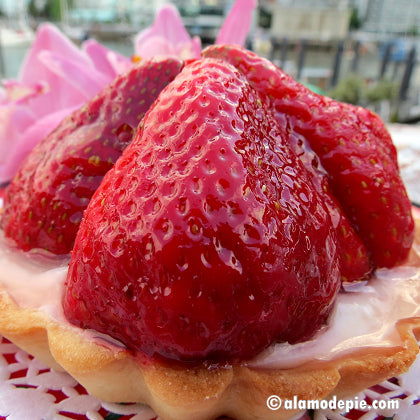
44,204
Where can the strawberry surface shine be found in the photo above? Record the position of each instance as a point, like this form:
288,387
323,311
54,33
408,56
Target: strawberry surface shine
355,149
208,239
45,202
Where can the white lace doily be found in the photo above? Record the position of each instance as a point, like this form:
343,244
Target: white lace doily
405,388
31,391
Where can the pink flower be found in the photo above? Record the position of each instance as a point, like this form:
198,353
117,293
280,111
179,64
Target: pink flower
56,78
236,26
168,36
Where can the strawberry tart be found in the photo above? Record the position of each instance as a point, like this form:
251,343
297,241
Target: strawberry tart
204,234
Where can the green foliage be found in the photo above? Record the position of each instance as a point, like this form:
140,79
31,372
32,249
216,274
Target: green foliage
355,21
348,90
33,10
355,90
50,10
383,90
53,10
413,30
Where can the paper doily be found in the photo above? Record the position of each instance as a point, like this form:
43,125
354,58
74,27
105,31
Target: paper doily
31,391
405,389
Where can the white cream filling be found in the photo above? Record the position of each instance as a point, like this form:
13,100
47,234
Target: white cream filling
33,280
364,316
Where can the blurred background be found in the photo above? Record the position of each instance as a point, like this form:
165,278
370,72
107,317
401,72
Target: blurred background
359,51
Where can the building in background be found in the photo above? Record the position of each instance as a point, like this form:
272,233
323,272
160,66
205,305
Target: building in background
320,20
398,17
332,19
112,11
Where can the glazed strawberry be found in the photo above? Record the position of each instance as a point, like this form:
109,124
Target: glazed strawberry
208,239
355,264
44,203
354,258
353,146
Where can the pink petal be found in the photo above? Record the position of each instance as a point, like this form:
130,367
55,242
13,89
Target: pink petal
14,120
18,92
237,24
85,79
196,46
120,65
168,24
105,60
60,93
18,151
167,36
191,49
48,37
155,45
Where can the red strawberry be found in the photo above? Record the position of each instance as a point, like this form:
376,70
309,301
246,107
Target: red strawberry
44,203
208,239
354,260
353,146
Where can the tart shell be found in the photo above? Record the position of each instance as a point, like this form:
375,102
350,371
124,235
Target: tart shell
114,374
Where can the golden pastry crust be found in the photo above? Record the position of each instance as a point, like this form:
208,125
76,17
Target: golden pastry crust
112,373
